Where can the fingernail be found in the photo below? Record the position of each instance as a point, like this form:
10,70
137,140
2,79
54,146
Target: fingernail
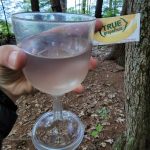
12,59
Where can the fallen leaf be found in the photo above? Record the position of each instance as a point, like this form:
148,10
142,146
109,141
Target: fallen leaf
84,148
103,144
121,115
111,95
106,124
102,94
110,141
107,101
120,120
93,104
13,132
81,113
29,134
94,115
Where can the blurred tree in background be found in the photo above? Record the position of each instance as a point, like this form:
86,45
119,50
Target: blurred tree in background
113,8
35,5
98,9
56,5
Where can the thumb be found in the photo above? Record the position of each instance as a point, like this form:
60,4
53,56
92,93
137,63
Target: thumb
12,57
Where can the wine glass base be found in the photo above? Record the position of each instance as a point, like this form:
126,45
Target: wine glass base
65,134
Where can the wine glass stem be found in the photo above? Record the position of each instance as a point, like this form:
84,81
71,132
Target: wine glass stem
57,108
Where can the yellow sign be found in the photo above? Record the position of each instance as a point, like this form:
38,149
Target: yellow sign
120,29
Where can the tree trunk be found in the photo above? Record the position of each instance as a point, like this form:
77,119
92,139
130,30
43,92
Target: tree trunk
115,5
56,6
35,5
98,10
80,6
83,6
118,54
137,83
89,6
63,4
118,51
110,4
75,5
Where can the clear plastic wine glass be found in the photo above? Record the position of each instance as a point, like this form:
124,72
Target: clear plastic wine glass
58,48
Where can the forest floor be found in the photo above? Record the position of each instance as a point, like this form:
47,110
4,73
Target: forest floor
100,106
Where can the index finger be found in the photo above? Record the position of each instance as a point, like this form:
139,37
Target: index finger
98,25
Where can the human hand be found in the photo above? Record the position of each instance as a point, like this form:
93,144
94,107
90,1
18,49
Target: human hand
12,79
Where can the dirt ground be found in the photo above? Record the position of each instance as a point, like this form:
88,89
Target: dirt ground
100,107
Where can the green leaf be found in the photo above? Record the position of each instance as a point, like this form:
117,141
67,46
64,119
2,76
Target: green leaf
99,128
94,133
103,113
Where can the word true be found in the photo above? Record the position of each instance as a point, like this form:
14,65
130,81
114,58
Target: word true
112,25
119,25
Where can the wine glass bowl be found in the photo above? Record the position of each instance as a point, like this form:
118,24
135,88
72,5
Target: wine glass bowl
58,48
62,66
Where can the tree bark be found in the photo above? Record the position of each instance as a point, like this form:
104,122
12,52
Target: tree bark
35,5
137,83
98,10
